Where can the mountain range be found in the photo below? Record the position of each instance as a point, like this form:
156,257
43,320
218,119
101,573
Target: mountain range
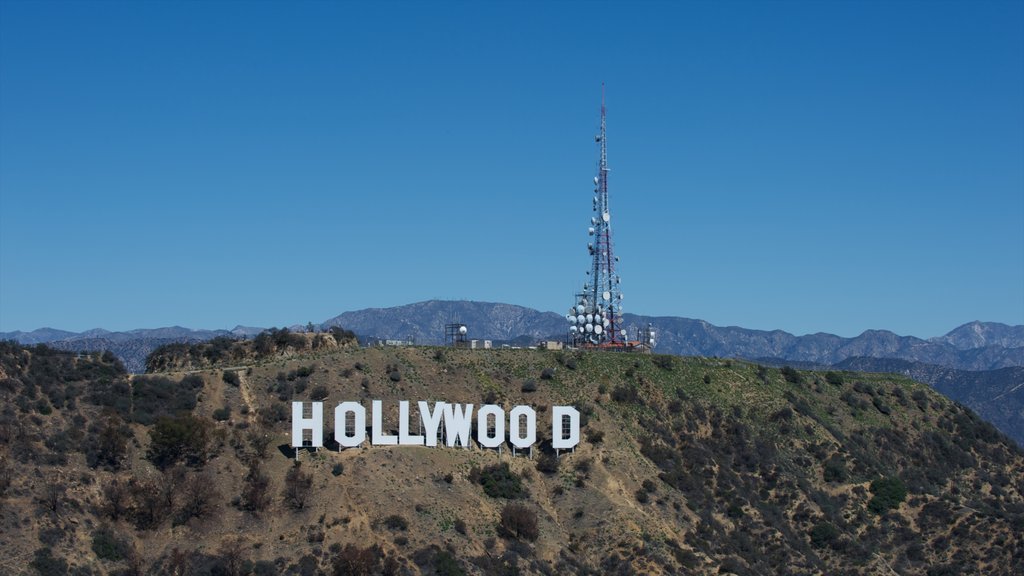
980,364
973,346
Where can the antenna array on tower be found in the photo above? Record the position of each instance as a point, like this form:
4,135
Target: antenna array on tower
595,320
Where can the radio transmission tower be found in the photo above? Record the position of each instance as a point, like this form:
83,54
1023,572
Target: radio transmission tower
596,317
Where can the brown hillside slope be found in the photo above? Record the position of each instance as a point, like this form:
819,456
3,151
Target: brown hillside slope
689,466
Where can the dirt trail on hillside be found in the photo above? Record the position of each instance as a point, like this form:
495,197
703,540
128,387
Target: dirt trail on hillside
243,387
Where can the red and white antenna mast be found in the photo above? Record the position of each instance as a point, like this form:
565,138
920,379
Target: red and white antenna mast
596,317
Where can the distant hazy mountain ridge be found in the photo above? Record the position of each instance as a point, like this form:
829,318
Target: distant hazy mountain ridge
973,346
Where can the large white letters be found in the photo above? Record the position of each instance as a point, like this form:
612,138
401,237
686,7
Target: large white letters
565,427
483,435
431,421
358,426
378,437
493,426
404,438
515,417
315,423
457,424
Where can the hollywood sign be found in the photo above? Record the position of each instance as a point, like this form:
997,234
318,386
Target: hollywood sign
454,420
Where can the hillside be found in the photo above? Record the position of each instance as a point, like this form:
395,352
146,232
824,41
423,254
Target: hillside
996,395
689,466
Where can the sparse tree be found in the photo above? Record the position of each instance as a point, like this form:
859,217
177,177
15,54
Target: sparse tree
198,498
108,445
152,500
519,521
255,490
258,440
178,563
117,499
6,476
356,561
232,555
53,494
297,485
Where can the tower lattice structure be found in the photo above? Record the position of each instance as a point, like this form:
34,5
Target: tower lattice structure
596,317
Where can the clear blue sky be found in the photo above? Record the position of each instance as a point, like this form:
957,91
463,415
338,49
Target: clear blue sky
808,166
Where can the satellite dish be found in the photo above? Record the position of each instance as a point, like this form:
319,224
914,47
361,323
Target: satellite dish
579,309
623,332
597,329
590,318
606,216
606,322
595,179
606,295
590,230
620,295
581,319
462,330
570,317
572,329
597,317
590,327
593,221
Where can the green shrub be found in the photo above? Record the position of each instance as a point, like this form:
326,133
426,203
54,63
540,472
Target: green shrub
231,377
499,481
446,565
396,522
157,396
626,394
181,438
47,565
547,463
792,375
835,469
887,493
823,534
107,545
222,414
